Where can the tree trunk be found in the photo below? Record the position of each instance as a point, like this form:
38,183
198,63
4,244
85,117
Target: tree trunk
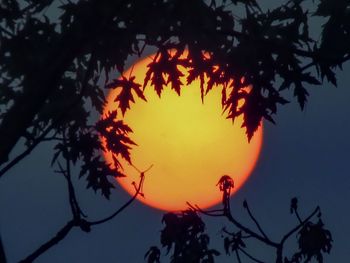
279,254
2,253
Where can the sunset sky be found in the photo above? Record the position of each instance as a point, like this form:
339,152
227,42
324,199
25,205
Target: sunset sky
306,155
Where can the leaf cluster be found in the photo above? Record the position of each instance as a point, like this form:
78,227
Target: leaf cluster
184,235
233,242
313,240
54,71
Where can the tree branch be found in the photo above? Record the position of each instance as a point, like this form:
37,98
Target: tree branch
26,152
299,226
228,215
61,234
255,221
250,232
138,190
40,86
250,256
54,123
213,213
298,216
237,256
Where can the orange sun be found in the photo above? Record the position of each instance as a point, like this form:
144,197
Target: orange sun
191,145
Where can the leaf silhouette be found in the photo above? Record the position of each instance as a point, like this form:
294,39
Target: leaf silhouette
153,255
184,233
116,134
163,70
125,96
97,173
313,240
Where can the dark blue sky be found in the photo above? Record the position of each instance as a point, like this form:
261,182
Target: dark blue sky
305,155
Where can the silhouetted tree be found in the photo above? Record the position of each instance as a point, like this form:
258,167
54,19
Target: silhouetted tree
54,70
183,233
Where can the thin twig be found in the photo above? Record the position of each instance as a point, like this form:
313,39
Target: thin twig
25,153
67,177
298,216
61,234
255,221
250,232
250,256
238,257
142,178
227,213
72,196
233,234
309,65
214,213
299,226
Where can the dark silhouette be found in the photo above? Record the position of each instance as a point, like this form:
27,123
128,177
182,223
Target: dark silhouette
2,252
183,234
52,70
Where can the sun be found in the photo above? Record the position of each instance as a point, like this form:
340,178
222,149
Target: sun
189,143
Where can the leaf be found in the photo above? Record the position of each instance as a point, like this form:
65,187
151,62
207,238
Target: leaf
164,65
116,134
307,77
225,183
125,96
97,173
313,240
153,255
301,93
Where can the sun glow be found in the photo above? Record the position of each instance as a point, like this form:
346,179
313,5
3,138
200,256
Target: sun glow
191,145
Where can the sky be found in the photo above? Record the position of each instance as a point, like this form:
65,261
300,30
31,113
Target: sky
305,155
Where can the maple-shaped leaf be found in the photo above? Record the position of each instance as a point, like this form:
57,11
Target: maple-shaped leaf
97,172
128,86
301,93
200,67
163,70
116,135
155,74
307,77
230,105
174,75
253,111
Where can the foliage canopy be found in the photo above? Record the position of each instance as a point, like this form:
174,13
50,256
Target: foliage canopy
56,70
184,235
51,67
